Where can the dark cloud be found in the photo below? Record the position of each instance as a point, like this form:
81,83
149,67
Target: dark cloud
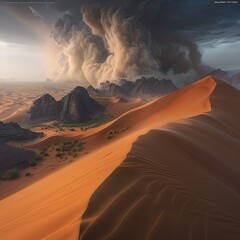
109,39
152,37
197,17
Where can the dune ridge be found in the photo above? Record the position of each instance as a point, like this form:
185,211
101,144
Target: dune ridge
180,182
52,207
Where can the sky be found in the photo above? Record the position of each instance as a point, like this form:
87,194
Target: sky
93,41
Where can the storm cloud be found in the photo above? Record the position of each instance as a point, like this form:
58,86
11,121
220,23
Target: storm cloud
110,40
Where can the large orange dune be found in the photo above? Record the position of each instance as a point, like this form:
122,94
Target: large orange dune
52,208
180,182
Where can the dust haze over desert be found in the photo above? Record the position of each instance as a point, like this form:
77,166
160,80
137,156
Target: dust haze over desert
119,120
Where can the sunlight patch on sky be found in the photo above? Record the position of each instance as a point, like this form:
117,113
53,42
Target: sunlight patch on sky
21,62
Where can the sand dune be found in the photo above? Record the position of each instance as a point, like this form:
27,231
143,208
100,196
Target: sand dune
52,207
181,182
116,106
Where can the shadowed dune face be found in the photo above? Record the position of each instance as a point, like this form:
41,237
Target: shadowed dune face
178,183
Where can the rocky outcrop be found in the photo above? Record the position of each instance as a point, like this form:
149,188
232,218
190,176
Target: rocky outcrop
13,157
146,88
120,100
110,89
149,88
93,91
13,132
77,106
45,109
10,156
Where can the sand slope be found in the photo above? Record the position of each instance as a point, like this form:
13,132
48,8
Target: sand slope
181,182
52,207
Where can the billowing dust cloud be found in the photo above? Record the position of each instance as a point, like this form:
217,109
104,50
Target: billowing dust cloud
102,43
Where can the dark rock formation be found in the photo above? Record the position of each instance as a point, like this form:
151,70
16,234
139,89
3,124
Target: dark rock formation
146,88
45,109
110,89
93,91
149,88
10,156
77,106
13,132
120,100
13,157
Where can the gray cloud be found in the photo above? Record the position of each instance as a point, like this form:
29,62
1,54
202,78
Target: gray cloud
112,39
109,41
26,23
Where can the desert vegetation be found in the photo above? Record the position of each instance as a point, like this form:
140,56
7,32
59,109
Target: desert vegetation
69,148
61,127
113,133
11,174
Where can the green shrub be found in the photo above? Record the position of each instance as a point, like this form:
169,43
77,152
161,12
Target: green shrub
59,155
79,149
10,174
109,137
38,157
75,155
32,163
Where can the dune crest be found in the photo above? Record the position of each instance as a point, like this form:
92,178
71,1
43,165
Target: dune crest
180,182
52,207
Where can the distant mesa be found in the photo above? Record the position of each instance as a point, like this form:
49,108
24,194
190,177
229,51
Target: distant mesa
77,106
146,88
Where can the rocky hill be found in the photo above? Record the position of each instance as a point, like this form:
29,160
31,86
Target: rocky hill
13,132
77,106
12,157
146,88
45,109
